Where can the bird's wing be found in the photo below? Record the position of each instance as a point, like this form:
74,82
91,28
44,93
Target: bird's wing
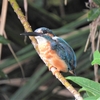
65,51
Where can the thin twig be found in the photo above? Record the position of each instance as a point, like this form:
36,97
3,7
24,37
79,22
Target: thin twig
87,43
34,42
93,31
24,22
98,42
62,11
16,58
13,53
65,2
26,8
92,36
2,21
26,15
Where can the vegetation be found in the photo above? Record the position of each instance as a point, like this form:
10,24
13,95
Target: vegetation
24,75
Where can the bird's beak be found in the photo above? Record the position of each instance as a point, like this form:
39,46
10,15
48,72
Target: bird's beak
30,34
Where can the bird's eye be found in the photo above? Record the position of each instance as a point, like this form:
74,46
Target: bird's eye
44,31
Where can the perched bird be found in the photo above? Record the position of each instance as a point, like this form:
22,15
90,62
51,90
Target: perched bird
53,50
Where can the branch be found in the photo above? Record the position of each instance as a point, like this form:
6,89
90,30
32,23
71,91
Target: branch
92,36
3,20
53,70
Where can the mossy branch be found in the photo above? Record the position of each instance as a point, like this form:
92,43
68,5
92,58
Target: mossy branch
23,20
27,27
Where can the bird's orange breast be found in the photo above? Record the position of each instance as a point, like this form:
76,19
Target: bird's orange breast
50,56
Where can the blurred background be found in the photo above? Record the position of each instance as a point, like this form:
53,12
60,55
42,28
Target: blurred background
26,77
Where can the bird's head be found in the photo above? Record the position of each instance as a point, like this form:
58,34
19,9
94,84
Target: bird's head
40,32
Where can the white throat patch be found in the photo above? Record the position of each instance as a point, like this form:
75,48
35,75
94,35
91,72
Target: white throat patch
40,39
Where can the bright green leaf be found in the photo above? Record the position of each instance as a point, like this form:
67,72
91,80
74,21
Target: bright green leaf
98,98
93,14
89,85
97,2
96,58
92,98
87,91
3,40
82,89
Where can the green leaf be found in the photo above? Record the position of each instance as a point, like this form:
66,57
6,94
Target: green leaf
82,89
2,74
93,14
96,58
89,85
89,94
92,98
54,2
97,2
98,98
85,89
3,40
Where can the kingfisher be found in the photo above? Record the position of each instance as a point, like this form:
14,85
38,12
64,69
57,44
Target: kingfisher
53,50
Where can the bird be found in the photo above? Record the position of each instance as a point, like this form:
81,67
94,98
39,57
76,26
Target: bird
53,50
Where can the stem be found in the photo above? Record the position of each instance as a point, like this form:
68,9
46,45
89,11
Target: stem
59,76
3,20
93,30
34,42
23,20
